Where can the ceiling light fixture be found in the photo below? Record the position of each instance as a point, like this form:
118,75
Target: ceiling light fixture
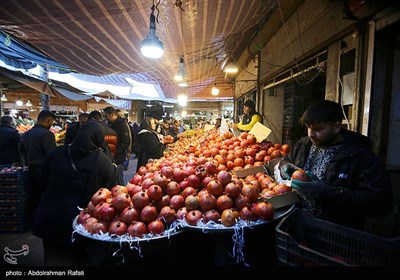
215,90
19,102
4,98
151,46
28,103
231,68
181,76
182,99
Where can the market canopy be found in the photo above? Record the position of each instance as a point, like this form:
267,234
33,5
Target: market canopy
104,37
20,55
59,90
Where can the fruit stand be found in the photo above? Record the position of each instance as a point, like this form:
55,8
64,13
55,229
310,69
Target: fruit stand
190,205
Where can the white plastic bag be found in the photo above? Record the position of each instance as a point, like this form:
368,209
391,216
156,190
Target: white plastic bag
224,127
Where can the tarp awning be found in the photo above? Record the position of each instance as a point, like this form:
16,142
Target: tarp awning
23,56
122,104
43,87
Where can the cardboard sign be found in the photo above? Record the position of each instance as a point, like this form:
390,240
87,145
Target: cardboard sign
260,131
208,127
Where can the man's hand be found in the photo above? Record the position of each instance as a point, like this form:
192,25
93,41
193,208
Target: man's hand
287,170
234,125
312,188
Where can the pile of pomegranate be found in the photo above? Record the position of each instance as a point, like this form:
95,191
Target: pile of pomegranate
193,184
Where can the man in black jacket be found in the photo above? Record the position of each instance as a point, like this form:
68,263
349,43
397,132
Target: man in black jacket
9,140
36,144
348,182
121,127
73,128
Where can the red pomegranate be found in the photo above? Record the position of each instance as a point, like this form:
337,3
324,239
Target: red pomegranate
265,210
82,217
232,190
154,192
137,229
224,202
132,188
161,181
148,214
100,196
101,227
107,212
164,201
117,189
247,215
229,217
241,201
121,201
211,215
192,202
117,227
181,213
177,201
193,217
140,199
215,188
129,215
251,191
89,224
207,202
173,188
167,215
156,227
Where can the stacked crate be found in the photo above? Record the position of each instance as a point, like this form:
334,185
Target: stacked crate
13,199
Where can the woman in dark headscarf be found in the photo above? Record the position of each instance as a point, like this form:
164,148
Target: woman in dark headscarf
70,176
150,145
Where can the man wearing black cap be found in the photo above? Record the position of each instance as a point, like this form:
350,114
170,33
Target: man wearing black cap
250,117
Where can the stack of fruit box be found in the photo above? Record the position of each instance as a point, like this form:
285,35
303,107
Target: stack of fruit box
13,199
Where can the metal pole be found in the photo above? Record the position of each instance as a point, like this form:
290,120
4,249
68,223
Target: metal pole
44,98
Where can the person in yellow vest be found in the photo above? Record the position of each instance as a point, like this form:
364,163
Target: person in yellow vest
250,118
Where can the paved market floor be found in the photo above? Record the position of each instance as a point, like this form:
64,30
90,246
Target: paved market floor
29,247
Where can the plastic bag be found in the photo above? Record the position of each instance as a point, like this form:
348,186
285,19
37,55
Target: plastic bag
224,127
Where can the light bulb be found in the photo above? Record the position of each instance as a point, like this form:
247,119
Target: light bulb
215,90
19,102
182,100
151,46
231,68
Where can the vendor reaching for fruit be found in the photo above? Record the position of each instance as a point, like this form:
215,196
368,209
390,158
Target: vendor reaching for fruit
347,181
250,118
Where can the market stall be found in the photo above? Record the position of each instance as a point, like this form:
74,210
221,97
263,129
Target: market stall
193,204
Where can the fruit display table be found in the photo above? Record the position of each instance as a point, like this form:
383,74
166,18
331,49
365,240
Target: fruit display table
210,244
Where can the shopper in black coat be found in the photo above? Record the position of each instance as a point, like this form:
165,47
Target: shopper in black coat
35,145
124,141
150,145
9,140
71,175
348,182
